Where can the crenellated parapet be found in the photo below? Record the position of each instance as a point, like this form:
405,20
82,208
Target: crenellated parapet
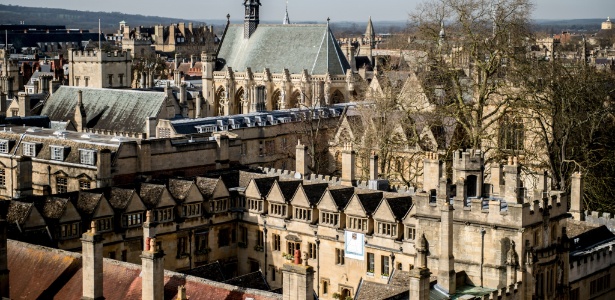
512,292
600,218
98,56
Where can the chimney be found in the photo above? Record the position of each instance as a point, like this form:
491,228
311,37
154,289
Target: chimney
419,276
222,159
577,206
80,116
512,185
54,85
92,270
152,259
432,171
23,177
181,290
373,166
24,104
103,164
348,165
301,161
2,104
496,179
190,26
192,61
446,269
151,123
298,279
183,94
4,265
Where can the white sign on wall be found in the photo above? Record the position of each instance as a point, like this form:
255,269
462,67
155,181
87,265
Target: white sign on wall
355,245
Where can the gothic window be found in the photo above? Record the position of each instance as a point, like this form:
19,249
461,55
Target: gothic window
512,134
339,256
239,100
261,98
276,100
338,97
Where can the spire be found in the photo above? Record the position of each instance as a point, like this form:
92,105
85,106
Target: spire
286,18
252,18
369,32
442,34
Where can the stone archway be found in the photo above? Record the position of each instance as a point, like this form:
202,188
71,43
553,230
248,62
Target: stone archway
337,97
294,99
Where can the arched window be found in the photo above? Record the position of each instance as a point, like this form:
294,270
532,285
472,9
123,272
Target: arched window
338,97
512,134
239,98
276,100
261,97
220,94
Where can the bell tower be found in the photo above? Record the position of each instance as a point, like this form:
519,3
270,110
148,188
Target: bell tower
251,20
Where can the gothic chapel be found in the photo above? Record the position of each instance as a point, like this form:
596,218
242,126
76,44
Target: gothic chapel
261,67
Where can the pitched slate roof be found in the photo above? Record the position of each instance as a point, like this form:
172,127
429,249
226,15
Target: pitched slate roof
179,188
341,196
400,206
315,191
151,193
254,280
264,184
19,212
119,198
370,201
54,207
207,185
245,177
106,109
87,202
279,47
212,271
590,239
289,188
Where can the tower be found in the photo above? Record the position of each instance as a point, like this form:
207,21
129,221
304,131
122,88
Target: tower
251,20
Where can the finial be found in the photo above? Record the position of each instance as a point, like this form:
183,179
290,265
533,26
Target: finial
328,20
228,18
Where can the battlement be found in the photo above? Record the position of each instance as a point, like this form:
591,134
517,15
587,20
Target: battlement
468,160
595,217
97,56
511,292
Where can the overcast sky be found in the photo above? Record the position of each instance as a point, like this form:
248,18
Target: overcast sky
307,10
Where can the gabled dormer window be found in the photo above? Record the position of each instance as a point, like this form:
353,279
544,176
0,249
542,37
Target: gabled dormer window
255,205
357,224
191,210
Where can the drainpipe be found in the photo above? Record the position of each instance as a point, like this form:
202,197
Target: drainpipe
265,247
317,264
482,254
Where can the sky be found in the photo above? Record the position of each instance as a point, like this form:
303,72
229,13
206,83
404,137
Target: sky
307,10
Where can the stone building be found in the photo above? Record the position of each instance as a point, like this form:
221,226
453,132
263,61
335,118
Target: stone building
100,70
269,67
10,79
175,38
485,239
607,25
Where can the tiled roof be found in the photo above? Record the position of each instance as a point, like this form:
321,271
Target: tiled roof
179,188
590,239
59,276
53,207
106,109
87,202
151,193
341,196
18,212
119,198
245,177
315,191
379,291
206,185
279,47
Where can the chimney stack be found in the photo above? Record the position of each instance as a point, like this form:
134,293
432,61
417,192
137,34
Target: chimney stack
92,270
298,279
432,171
23,177
419,276
348,165
3,104
301,161
373,166
183,99
80,115
446,270
24,104
152,259
181,290
577,206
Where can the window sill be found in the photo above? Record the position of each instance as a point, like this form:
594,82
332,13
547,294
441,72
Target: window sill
370,274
